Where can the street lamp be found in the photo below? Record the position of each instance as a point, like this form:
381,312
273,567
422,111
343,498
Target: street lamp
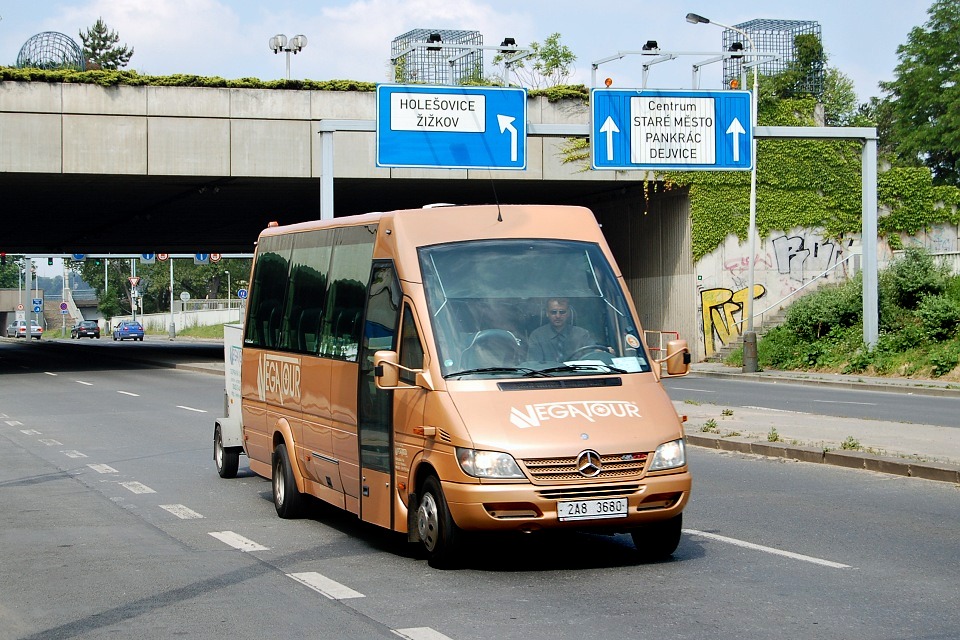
294,45
228,288
749,338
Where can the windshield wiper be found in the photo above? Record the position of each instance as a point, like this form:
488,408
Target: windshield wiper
592,368
525,371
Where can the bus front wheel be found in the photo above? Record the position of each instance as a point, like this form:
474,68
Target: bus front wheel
286,497
658,541
438,532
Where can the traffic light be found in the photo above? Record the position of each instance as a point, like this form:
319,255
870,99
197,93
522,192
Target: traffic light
49,262
3,259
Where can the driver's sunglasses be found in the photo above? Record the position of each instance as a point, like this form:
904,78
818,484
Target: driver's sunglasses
558,312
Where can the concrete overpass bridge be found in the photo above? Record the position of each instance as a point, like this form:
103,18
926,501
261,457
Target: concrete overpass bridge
150,169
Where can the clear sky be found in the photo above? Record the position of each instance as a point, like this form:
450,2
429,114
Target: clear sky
350,39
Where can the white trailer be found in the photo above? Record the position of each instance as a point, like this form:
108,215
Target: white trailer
227,433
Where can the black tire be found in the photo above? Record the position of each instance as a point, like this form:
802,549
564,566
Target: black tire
658,540
227,459
439,534
286,497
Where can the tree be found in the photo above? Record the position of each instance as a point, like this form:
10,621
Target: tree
839,99
804,73
924,97
550,65
100,47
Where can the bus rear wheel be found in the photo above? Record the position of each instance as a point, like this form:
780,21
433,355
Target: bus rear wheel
286,497
438,533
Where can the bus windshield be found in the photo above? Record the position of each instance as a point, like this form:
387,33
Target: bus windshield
531,308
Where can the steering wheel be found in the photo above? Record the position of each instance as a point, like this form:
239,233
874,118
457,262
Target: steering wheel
588,348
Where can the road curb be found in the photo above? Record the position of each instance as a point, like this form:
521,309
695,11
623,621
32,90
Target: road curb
940,472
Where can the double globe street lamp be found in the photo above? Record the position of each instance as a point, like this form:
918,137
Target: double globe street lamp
294,45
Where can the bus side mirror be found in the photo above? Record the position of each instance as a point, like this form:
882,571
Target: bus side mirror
678,358
386,369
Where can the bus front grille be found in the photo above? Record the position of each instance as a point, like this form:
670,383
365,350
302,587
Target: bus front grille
612,466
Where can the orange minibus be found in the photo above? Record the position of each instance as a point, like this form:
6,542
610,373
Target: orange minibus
457,369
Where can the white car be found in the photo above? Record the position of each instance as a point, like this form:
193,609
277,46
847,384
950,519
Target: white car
19,329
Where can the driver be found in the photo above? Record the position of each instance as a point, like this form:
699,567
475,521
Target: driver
556,341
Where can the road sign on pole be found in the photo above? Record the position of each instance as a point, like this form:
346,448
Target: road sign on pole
451,127
148,258
201,258
676,130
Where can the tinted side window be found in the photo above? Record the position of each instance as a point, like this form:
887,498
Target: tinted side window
347,291
306,291
411,350
267,289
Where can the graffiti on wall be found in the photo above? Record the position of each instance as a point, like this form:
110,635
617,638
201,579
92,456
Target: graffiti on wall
801,257
722,311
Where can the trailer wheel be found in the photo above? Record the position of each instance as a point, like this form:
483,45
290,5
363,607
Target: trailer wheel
286,497
227,459
439,534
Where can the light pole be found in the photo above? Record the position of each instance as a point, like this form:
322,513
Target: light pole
294,45
228,288
750,337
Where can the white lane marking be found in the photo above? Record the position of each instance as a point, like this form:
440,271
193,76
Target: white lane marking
802,413
181,511
73,453
102,468
774,551
50,442
420,633
868,404
30,432
689,389
13,423
325,586
180,406
137,487
89,384
50,374
237,541
127,393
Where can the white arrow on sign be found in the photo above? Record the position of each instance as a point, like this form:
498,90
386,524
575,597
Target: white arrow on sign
609,127
737,130
506,125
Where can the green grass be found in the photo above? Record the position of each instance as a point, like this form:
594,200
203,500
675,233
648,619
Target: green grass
212,331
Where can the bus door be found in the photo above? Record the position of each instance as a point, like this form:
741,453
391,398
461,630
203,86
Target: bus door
375,406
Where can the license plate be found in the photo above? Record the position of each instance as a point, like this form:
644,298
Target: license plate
592,509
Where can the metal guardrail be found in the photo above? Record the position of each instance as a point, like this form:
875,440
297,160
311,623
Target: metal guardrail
812,280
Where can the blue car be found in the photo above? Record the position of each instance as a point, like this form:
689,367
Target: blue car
128,330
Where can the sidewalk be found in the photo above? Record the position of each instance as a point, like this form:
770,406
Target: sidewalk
896,447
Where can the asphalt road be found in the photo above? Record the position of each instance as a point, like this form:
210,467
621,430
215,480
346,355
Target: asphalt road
114,523
824,400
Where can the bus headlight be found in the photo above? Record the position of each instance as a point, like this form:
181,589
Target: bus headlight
669,455
488,464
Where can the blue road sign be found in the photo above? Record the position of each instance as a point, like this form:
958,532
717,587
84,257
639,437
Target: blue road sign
201,258
451,127
242,294
37,308
148,258
676,130
79,256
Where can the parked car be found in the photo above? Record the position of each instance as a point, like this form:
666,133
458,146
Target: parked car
19,329
128,330
86,328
